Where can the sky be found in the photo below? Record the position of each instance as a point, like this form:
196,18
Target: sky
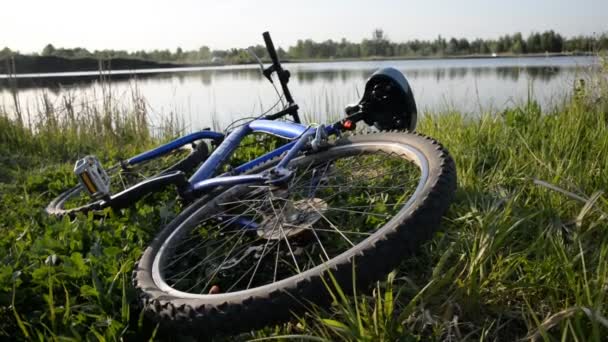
28,25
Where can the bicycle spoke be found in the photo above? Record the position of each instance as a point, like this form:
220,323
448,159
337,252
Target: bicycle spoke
285,236
260,260
212,253
276,263
334,227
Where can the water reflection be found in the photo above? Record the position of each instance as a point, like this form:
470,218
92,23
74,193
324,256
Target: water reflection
438,74
467,85
207,77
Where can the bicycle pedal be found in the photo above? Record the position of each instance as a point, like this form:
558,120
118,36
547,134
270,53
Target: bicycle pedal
92,176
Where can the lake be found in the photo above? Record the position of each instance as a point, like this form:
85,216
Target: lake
196,95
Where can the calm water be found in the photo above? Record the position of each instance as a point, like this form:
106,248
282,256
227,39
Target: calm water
231,92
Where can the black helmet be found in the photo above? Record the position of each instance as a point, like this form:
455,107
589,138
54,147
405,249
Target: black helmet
388,101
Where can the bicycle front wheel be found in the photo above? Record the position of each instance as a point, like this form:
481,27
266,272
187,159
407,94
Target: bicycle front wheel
253,254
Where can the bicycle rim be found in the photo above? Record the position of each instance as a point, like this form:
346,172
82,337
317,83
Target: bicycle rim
251,237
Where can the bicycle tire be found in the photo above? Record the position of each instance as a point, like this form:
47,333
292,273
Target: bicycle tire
271,303
196,154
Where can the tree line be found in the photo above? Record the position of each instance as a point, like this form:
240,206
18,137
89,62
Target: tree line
378,45
203,55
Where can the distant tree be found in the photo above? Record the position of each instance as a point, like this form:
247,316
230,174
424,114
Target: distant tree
557,42
518,44
368,48
6,52
281,53
79,53
581,43
603,42
295,51
378,35
500,45
416,46
506,43
141,54
484,48
260,51
440,45
164,55
551,41
379,44
533,42
517,47
219,53
204,53
48,50
545,41
452,46
308,49
179,52
463,45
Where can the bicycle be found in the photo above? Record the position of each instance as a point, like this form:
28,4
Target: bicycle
263,240
261,248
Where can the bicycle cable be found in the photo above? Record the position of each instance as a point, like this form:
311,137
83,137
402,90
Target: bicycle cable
230,126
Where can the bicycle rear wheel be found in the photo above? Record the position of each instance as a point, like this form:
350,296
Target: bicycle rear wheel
253,254
77,200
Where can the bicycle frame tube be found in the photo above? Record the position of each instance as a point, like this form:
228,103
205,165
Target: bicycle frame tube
264,158
275,153
220,155
202,180
223,152
279,128
175,144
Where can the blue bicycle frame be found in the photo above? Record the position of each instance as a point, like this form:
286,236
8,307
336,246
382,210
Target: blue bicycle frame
173,145
203,180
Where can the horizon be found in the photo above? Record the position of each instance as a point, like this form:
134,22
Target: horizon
446,37
69,24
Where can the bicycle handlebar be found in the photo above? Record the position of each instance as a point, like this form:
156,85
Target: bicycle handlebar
271,51
282,74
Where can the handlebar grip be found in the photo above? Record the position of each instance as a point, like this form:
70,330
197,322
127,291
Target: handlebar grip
270,47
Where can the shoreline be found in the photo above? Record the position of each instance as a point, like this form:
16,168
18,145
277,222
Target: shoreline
41,67
413,58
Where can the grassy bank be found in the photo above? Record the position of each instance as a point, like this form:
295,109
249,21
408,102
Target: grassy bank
523,251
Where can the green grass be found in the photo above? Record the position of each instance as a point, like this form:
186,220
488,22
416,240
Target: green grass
523,251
